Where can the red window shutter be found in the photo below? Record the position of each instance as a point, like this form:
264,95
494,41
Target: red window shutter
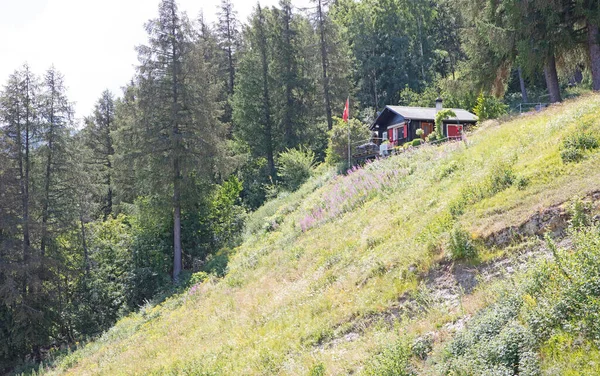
390,135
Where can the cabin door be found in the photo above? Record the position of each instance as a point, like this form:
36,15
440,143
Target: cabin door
454,130
427,129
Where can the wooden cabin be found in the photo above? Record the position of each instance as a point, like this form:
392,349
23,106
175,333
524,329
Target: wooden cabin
398,124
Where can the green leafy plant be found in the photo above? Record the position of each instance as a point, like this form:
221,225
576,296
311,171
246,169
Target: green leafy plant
295,166
575,146
460,245
416,142
337,147
439,120
433,137
488,107
392,361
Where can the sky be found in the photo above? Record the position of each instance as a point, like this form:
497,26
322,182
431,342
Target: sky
91,42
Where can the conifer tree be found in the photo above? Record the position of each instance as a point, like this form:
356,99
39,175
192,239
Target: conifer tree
56,116
179,112
99,139
228,33
252,98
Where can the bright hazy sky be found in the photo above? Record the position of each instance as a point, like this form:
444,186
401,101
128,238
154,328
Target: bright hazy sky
90,42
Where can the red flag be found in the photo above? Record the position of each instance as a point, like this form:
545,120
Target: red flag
346,114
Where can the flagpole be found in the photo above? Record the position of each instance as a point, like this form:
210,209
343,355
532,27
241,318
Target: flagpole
349,147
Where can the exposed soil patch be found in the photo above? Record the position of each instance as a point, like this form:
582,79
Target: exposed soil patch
553,220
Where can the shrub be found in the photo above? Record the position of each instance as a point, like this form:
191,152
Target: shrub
422,346
575,146
295,167
500,178
393,361
488,107
579,213
416,142
420,132
460,245
198,277
317,370
337,148
433,137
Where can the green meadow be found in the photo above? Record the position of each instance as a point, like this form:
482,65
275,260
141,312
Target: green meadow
347,275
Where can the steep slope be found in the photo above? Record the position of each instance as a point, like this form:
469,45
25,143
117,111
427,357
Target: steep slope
335,272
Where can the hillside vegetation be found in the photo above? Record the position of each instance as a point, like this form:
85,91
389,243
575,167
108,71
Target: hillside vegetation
332,279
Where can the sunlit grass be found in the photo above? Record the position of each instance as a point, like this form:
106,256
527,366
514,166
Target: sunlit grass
297,287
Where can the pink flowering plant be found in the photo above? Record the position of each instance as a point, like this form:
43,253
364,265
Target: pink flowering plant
358,186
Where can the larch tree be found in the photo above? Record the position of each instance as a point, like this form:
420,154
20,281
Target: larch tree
24,305
56,114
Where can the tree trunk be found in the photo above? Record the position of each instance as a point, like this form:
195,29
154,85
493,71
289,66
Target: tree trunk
177,264
230,42
46,203
266,98
86,257
324,63
524,96
552,79
594,51
288,118
110,150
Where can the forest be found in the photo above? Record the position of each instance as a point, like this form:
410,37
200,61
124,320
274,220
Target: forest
101,217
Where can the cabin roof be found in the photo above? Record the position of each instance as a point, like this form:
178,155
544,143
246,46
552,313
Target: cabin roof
424,113
400,113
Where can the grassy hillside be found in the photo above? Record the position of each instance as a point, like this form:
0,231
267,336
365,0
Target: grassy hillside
334,277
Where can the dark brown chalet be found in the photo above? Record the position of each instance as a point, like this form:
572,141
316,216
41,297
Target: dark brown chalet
398,124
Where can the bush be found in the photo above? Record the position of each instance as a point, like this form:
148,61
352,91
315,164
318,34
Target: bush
460,245
575,146
393,361
337,148
433,137
488,107
579,213
416,142
295,166
198,277
500,178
